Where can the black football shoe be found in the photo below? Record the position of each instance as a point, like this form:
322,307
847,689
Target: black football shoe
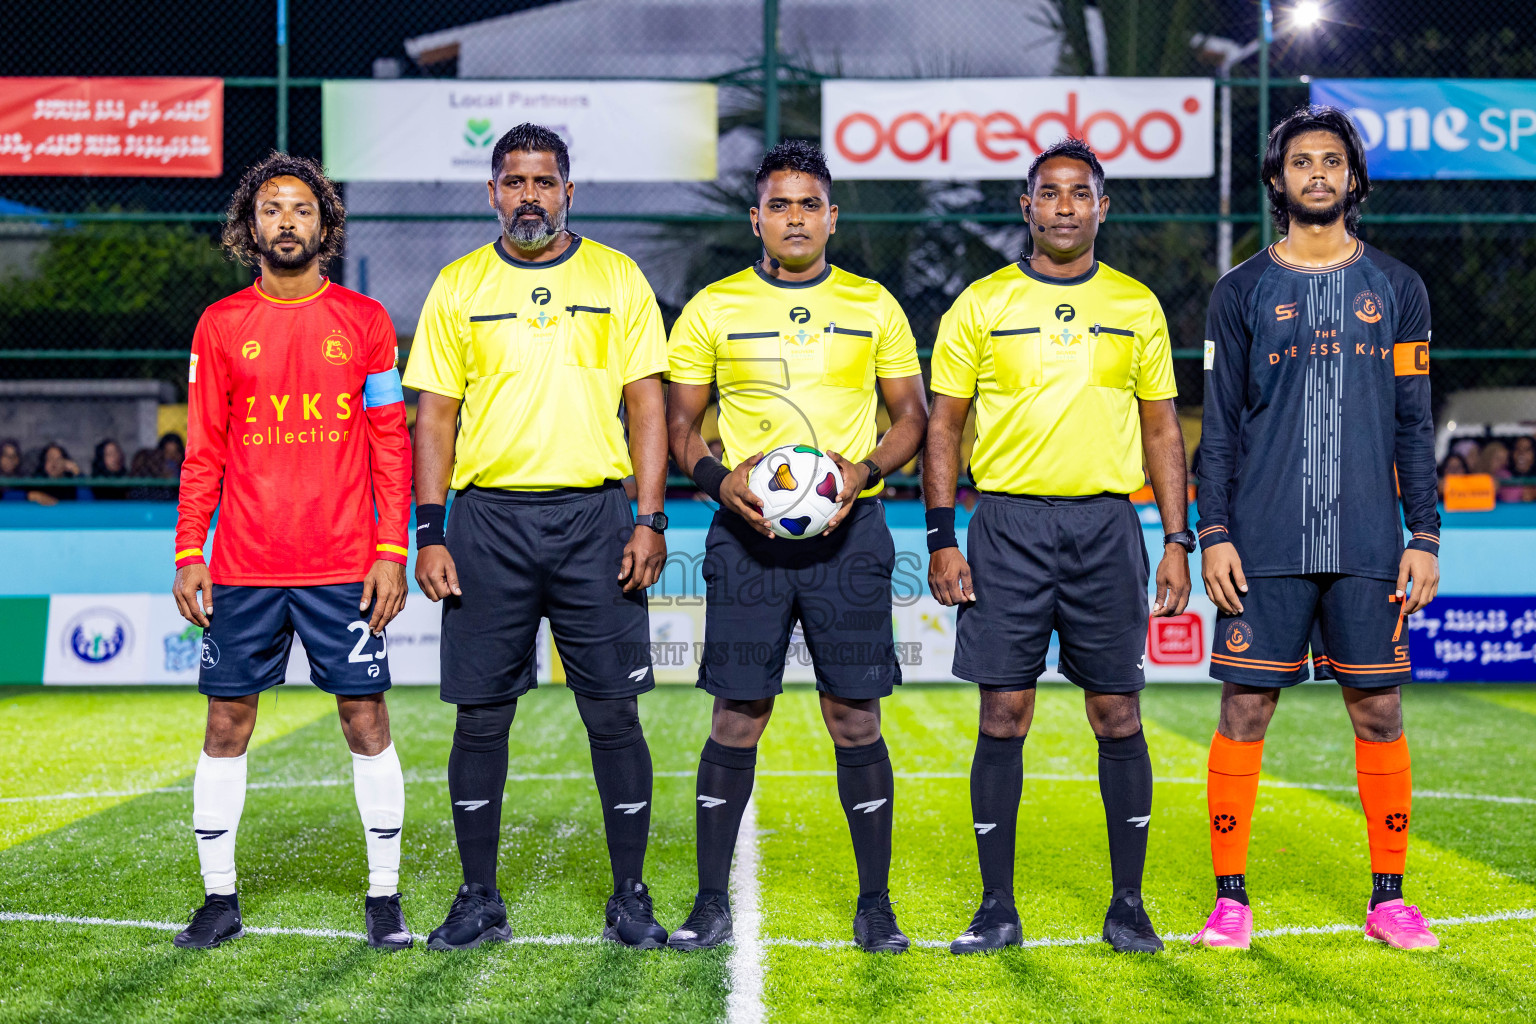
216,922
995,925
708,925
386,923
630,920
477,916
875,929
1127,927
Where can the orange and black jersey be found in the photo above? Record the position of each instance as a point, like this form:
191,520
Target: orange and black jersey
1316,390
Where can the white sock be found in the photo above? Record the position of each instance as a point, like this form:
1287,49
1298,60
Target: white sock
380,789
218,798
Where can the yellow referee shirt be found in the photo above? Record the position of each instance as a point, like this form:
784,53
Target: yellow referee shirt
1055,366
539,353
796,362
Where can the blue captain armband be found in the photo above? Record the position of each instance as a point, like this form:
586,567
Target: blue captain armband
382,388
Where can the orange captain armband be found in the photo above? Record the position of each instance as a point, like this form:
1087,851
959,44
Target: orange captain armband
1410,358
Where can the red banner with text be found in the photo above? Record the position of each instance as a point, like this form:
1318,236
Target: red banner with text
124,127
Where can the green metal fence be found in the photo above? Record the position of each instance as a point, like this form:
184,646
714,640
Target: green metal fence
72,305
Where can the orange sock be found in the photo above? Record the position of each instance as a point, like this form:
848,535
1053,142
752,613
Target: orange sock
1232,786
1386,795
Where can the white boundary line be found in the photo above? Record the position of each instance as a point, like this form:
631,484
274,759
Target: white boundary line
1428,794
744,1004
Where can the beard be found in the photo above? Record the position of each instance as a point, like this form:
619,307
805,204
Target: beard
1312,216
529,235
279,260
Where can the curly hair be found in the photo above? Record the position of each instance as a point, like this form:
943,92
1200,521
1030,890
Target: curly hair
240,217
1072,149
796,155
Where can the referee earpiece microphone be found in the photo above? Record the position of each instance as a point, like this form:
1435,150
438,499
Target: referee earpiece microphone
773,264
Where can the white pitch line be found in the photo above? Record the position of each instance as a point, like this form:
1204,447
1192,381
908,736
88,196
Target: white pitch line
744,1003
418,780
753,922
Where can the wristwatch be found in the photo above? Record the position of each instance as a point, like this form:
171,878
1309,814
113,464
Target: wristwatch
875,473
655,520
1184,539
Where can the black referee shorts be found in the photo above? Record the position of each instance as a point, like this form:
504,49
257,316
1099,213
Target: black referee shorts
1075,565
526,555
838,588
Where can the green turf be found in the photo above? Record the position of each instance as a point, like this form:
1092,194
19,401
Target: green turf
301,865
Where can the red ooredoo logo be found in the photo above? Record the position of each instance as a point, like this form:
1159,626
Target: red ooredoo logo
914,136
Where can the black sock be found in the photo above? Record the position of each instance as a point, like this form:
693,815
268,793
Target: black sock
724,787
1125,784
621,764
477,775
997,783
1232,887
867,788
1385,888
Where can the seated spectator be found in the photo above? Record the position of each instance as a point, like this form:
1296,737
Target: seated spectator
56,464
10,466
162,461
1454,465
1470,450
1522,465
1494,460
109,462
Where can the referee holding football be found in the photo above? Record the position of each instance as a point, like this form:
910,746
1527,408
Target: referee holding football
1069,366
525,349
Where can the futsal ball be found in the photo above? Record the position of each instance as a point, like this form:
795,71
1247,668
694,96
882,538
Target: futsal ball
798,486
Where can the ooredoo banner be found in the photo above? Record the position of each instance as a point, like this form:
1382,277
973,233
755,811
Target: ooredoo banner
127,127
446,130
991,128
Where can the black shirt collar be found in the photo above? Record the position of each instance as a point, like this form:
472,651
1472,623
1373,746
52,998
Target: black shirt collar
826,272
507,257
1035,275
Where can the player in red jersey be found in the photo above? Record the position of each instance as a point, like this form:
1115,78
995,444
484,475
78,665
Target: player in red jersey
296,434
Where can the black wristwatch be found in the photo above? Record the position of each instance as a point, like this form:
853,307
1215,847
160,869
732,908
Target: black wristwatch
655,520
875,473
1184,539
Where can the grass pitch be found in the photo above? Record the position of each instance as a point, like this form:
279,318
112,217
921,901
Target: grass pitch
95,807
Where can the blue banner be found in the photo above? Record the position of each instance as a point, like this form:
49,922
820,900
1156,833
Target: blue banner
1474,640
1440,127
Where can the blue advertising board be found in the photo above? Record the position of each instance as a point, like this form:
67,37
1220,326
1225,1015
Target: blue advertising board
1440,127
1474,639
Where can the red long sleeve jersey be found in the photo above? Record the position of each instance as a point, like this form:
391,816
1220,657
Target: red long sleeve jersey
296,432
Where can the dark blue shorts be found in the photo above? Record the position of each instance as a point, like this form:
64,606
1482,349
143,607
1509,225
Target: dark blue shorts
526,555
245,648
1354,632
838,588
1074,565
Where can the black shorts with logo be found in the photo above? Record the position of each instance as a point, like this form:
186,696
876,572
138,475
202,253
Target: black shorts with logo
246,645
1074,565
1355,632
526,555
837,587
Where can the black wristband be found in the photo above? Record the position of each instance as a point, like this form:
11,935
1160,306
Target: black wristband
941,529
429,525
709,473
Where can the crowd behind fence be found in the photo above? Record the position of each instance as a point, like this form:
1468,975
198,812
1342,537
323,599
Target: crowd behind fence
105,277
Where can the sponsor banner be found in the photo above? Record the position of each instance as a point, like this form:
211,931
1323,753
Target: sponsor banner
97,639
127,127
984,128
1440,128
23,638
446,130
1474,640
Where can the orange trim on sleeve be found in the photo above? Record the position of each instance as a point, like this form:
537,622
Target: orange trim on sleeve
1211,529
1410,359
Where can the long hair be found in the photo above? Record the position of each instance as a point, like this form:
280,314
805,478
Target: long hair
1314,119
240,217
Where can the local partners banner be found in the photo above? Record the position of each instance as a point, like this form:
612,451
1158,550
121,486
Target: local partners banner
1440,128
990,128
446,130
127,127
1474,640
